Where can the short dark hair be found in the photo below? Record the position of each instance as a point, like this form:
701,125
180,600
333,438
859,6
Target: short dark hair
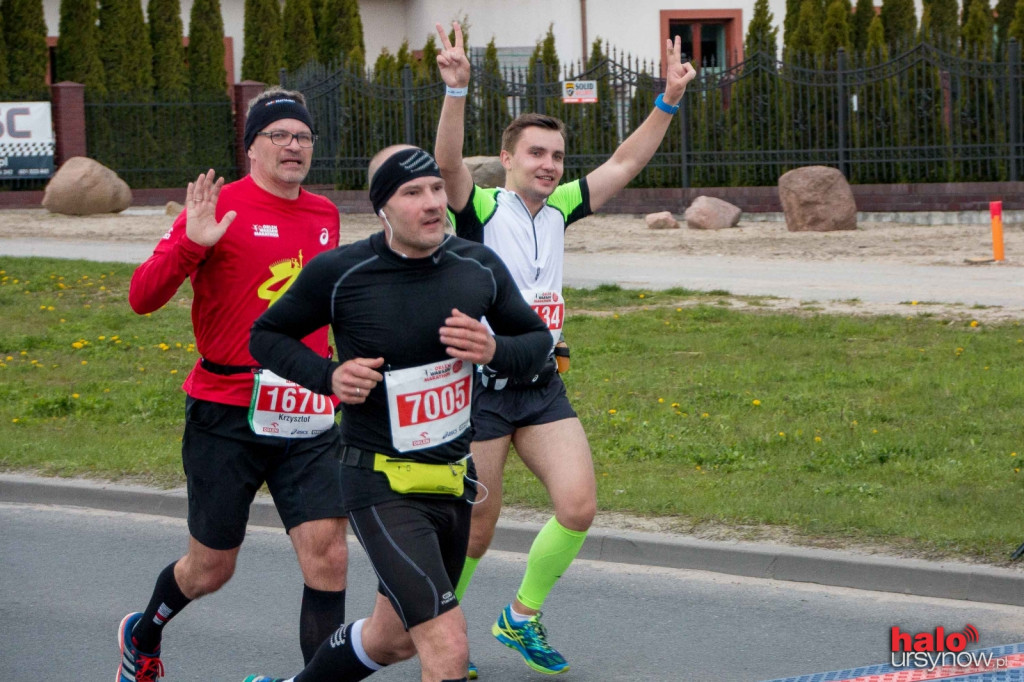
515,129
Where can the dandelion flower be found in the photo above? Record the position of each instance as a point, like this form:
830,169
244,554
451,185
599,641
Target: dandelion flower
661,400
77,344
675,404
612,411
756,402
74,395
782,434
704,415
85,362
974,323
817,439
641,296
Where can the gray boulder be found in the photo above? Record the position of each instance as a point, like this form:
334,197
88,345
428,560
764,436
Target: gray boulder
709,213
817,199
82,186
663,220
487,171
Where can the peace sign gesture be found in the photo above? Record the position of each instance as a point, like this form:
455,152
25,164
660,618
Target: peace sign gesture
677,73
452,61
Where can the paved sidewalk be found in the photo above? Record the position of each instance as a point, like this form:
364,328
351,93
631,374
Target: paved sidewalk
756,560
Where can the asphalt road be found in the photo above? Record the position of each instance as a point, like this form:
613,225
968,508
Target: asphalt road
68,575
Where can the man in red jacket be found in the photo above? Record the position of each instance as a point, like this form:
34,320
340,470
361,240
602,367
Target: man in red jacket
241,246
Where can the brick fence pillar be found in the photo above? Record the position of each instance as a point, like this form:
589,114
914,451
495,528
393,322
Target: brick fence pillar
243,92
67,109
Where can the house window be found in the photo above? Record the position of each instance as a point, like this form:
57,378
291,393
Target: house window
711,39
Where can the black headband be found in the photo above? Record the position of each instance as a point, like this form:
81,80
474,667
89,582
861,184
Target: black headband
269,110
400,168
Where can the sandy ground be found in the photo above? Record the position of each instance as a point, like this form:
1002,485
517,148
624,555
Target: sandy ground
878,242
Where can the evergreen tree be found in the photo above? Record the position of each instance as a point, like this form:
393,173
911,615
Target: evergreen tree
341,33
124,138
207,77
173,118
1016,29
549,88
940,25
859,22
213,130
1005,10
78,52
790,21
900,22
316,8
170,73
493,115
263,54
836,33
599,122
875,120
299,34
762,35
878,46
4,81
126,55
25,41
753,119
976,107
805,41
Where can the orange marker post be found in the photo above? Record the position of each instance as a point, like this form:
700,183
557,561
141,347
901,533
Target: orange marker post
995,209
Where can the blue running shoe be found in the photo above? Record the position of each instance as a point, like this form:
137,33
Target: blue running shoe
530,639
136,666
472,673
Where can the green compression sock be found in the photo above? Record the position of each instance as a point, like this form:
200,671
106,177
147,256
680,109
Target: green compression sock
552,551
468,569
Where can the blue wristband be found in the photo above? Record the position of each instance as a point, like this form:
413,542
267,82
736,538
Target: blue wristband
669,109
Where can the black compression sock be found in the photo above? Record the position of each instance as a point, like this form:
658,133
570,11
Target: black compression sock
322,613
341,657
166,602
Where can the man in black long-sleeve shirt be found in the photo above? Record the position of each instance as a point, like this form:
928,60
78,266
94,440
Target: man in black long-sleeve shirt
406,308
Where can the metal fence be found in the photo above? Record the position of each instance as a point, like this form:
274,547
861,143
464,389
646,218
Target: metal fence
923,116
161,144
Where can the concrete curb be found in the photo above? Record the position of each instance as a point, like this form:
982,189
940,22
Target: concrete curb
756,560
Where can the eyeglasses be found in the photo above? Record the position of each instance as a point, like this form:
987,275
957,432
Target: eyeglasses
282,138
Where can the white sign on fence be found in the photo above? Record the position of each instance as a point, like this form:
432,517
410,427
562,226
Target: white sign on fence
579,92
26,140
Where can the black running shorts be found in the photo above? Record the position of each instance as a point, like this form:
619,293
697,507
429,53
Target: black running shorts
417,547
500,413
226,463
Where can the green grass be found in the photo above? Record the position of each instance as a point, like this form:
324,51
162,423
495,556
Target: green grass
905,432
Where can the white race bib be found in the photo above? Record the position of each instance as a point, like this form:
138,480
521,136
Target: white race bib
550,306
283,408
429,405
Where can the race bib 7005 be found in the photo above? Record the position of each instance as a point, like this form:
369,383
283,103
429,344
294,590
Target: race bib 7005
430,404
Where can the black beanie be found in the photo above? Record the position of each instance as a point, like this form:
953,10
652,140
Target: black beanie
267,111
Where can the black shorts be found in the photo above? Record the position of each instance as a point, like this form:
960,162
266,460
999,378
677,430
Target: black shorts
226,463
417,548
500,413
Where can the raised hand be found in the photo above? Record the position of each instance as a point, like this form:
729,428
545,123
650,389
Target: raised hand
677,73
201,224
451,60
